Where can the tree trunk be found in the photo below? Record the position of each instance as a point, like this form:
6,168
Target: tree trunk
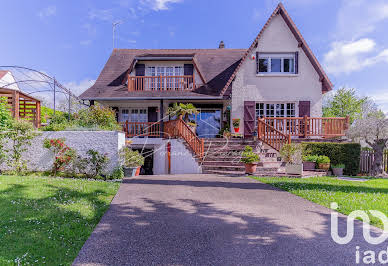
378,166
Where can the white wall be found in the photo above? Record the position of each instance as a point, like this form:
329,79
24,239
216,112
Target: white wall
248,86
106,142
7,80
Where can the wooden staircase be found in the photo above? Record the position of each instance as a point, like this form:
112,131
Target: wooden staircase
222,156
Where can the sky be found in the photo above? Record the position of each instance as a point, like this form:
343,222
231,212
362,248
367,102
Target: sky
72,39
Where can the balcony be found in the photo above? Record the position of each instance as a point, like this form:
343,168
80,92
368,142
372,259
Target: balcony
161,83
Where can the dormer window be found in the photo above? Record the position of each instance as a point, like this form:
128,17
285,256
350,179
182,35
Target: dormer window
276,63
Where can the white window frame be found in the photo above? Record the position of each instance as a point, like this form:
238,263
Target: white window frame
276,105
134,114
280,56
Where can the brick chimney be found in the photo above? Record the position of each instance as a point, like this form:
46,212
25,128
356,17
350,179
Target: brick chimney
222,45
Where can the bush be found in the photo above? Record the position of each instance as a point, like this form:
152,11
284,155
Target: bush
291,153
63,154
346,153
310,158
341,165
130,158
248,156
117,173
323,159
97,163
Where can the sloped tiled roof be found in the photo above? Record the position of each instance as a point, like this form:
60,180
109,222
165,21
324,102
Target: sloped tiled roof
214,65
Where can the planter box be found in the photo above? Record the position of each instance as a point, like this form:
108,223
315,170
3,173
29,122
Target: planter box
309,166
338,171
130,172
324,166
250,168
294,169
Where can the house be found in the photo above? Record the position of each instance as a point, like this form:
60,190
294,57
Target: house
274,87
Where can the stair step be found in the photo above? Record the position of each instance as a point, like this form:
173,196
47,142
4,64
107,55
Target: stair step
226,167
229,173
223,163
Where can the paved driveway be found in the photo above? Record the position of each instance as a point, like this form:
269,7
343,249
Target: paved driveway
214,220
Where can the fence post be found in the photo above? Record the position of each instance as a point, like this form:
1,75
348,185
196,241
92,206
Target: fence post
347,121
305,126
258,129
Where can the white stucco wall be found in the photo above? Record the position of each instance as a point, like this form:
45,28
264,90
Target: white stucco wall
304,86
8,82
106,142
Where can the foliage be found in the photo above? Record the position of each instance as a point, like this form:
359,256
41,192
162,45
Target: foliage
291,153
20,136
372,128
341,165
310,158
350,196
96,117
183,110
323,159
248,156
236,122
5,114
47,113
346,153
345,102
130,158
63,154
118,173
97,163
49,219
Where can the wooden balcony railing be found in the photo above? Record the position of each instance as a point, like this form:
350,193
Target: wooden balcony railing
141,129
161,83
326,127
179,129
271,136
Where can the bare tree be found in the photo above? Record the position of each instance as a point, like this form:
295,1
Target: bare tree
372,128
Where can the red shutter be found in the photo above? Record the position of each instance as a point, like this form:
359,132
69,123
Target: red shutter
304,108
249,118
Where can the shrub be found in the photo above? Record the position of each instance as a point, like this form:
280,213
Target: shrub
346,153
97,163
130,158
341,165
20,136
248,156
236,122
117,173
5,124
63,155
291,153
323,159
310,158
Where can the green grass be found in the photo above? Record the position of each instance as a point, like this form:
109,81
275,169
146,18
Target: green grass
47,220
350,195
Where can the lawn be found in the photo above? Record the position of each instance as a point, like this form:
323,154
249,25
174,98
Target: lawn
350,195
47,220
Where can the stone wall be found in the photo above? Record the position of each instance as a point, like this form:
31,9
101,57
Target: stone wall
109,142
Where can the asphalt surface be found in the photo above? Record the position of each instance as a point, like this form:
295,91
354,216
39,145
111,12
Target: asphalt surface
214,220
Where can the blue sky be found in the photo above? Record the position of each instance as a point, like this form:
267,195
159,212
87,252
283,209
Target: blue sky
73,39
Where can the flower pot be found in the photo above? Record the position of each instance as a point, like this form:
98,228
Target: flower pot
324,166
309,166
236,129
138,171
338,171
130,171
294,169
250,168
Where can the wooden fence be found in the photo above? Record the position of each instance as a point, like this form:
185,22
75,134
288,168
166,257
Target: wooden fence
366,160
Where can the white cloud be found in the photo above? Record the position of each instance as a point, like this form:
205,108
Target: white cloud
101,14
85,42
356,18
158,5
47,12
347,57
79,87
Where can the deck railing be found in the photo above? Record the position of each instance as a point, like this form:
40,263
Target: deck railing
161,83
179,129
327,127
141,129
271,136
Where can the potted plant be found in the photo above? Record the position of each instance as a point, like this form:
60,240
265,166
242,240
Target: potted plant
292,156
183,111
236,124
338,169
323,162
250,159
130,161
309,162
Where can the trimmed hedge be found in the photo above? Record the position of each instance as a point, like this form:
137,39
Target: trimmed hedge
346,153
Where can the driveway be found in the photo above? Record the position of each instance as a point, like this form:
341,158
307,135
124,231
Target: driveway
215,220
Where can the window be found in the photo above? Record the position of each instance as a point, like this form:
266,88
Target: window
275,110
133,115
276,63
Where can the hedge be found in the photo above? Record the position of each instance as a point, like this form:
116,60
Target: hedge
346,153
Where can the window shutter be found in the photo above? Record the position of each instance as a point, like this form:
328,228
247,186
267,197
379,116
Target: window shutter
249,118
296,62
188,69
257,62
140,69
304,108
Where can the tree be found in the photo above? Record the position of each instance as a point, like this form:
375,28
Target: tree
5,124
345,102
182,109
372,128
